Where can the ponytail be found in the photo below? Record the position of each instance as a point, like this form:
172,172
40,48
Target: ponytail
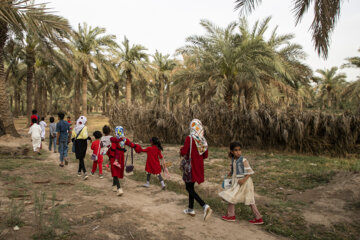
157,143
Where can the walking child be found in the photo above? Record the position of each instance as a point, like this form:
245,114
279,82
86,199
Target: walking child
242,187
52,135
80,137
34,116
96,147
153,161
43,126
35,131
116,155
63,134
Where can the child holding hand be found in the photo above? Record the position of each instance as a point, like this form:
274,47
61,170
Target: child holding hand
242,187
96,147
153,161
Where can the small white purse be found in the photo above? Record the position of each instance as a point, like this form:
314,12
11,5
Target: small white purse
226,183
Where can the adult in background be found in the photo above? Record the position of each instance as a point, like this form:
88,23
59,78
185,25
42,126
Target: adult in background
196,149
79,138
62,138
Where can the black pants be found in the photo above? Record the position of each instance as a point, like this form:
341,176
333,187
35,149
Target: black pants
193,195
159,176
116,182
81,165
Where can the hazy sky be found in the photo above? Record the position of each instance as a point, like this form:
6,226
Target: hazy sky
164,24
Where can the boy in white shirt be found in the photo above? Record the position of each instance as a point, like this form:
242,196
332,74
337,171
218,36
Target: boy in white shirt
43,126
35,131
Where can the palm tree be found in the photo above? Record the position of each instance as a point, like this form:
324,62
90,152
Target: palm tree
237,60
130,56
17,16
326,15
89,46
330,84
163,65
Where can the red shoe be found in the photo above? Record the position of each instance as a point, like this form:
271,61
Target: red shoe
228,219
257,222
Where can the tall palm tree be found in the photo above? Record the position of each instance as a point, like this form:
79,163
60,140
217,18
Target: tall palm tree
330,84
89,46
326,14
17,16
130,56
163,65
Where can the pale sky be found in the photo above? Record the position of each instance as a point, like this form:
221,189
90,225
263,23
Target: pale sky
164,24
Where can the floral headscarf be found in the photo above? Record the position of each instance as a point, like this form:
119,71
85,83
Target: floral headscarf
80,124
119,133
197,133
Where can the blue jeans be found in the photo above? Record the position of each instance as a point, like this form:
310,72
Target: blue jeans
63,150
51,141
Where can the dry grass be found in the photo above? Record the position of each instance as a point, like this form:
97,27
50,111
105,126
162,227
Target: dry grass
307,132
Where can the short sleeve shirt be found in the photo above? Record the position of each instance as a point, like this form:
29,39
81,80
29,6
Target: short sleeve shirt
63,128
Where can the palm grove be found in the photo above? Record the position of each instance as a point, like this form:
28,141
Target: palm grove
47,65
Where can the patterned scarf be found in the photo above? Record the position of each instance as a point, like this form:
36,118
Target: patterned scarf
80,124
119,133
197,133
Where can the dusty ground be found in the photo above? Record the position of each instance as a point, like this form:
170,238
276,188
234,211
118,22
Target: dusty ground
298,200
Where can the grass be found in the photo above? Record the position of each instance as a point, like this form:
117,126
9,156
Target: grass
275,176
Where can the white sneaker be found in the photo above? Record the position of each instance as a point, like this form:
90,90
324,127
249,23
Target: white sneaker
79,174
85,177
207,212
120,192
114,189
146,185
190,212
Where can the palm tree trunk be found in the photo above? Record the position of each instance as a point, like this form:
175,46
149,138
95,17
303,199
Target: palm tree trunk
84,92
168,94
104,102
329,99
30,61
128,87
37,94
17,101
116,90
76,103
228,97
6,121
161,90
108,102
44,99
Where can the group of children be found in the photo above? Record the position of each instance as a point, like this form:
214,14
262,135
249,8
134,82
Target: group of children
195,150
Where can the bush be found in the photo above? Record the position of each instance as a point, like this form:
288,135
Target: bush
308,132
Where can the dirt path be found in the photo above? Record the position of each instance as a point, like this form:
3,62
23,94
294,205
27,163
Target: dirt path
160,212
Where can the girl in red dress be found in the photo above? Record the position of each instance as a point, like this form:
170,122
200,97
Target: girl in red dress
153,161
196,148
116,157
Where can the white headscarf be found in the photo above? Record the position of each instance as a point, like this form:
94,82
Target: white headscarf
197,133
80,124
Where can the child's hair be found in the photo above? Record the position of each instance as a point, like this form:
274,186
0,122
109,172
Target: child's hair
34,120
61,115
52,119
156,142
97,134
106,130
34,111
69,117
42,118
233,145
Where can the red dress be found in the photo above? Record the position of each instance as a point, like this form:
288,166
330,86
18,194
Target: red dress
197,160
116,153
152,161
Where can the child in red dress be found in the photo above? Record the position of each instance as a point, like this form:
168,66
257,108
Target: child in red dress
116,157
96,147
153,161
